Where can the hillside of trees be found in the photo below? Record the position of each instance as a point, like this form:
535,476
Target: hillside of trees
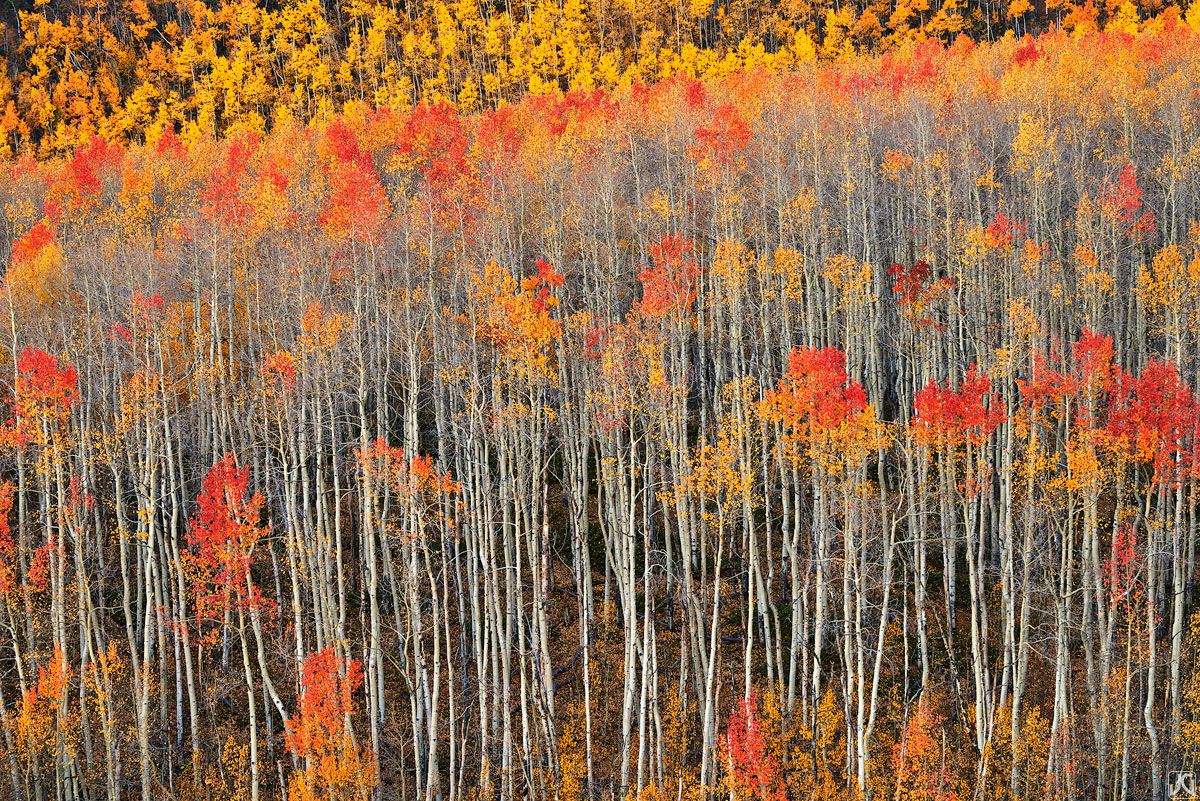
129,69
823,431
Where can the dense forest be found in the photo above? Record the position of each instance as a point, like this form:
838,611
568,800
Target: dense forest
822,428
129,69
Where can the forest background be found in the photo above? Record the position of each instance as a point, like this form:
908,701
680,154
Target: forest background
645,402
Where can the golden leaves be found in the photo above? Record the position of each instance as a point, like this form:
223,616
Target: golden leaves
516,318
1034,148
37,273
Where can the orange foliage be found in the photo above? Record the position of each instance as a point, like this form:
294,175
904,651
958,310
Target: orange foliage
924,770
321,737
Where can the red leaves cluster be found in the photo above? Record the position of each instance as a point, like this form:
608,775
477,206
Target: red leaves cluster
272,178
916,291
499,137
1047,385
753,772
1157,416
1122,202
948,416
1122,566
220,201
357,203
724,138
516,318
8,546
825,412
670,285
922,67
909,280
816,393
278,371
44,390
1028,51
41,701
1093,355
581,108
327,684
222,535
222,528
145,311
413,477
38,577
539,286
1001,232
319,736
51,680
433,140
31,245
596,341
1153,417
84,170
1090,383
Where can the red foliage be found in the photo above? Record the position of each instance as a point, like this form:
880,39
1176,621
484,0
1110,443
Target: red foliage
38,577
145,312
82,502
222,535
169,144
31,245
147,307
357,203
725,136
670,285
693,93
44,696
1122,566
539,285
909,280
1047,385
8,546
220,201
434,141
1092,380
328,684
272,177
225,524
117,332
1156,416
593,340
753,771
52,211
1028,51
1122,202
923,67
586,109
84,170
43,388
816,392
916,291
969,413
923,773
1001,232
1093,356
499,136
410,478
279,372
